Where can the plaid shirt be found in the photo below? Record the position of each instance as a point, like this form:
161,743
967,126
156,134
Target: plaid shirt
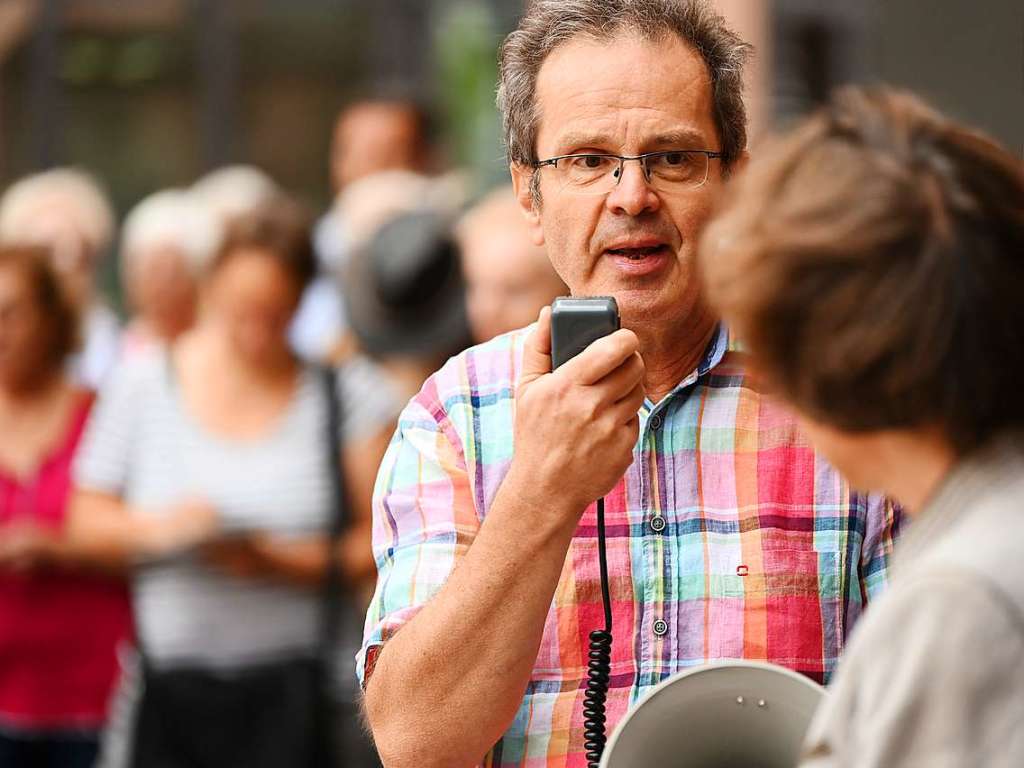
728,537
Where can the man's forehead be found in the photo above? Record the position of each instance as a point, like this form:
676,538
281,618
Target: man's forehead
620,87
372,118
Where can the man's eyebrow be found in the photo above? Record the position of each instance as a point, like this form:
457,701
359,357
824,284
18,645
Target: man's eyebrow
571,141
680,139
684,138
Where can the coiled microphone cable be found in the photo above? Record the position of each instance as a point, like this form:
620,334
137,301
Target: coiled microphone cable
599,665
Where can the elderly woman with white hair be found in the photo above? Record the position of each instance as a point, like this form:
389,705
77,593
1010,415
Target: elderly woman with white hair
66,211
167,243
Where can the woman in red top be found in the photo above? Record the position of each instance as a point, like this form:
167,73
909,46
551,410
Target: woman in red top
59,626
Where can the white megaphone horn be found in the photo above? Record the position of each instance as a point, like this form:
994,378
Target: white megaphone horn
726,714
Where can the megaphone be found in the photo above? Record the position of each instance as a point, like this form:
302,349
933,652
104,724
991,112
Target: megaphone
726,714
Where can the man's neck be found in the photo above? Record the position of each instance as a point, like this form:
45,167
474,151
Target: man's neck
671,354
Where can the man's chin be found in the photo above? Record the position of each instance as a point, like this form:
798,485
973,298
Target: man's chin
647,307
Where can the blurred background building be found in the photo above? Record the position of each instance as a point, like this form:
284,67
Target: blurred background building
149,94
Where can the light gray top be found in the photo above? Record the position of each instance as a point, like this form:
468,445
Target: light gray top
934,674
142,445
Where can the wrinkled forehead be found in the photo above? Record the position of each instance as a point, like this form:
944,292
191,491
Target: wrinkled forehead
624,94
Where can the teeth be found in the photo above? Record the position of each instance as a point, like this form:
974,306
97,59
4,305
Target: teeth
635,254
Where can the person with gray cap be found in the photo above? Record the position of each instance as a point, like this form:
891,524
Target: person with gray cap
405,298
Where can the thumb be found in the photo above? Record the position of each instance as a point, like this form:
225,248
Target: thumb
537,353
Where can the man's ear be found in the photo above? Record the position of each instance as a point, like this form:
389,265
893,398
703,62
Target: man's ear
522,185
741,162
737,167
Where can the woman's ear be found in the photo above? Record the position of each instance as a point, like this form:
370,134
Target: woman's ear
529,203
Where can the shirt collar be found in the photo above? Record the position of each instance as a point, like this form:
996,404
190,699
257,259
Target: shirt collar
721,342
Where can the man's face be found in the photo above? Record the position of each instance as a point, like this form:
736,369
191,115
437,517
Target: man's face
508,278
372,137
624,96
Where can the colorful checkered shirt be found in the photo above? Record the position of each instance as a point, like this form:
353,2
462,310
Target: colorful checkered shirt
728,537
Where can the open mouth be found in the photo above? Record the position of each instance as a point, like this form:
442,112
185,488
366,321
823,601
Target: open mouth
637,254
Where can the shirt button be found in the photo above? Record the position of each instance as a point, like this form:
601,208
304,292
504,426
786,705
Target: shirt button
656,422
657,524
660,628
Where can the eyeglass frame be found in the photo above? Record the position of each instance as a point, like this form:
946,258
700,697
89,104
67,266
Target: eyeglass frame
641,158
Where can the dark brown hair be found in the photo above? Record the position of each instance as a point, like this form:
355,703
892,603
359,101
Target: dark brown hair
549,24
56,307
873,261
281,228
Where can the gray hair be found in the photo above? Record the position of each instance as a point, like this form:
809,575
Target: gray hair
171,218
551,23
78,196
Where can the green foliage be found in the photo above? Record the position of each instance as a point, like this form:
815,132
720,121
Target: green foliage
466,48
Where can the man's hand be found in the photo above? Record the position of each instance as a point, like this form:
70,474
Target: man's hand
466,657
575,428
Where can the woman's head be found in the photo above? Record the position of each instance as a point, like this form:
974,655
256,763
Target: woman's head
67,211
38,323
167,243
873,263
258,276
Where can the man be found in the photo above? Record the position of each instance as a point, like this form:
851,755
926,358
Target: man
728,537
508,277
370,136
375,135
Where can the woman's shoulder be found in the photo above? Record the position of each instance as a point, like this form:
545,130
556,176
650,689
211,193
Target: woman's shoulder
136,376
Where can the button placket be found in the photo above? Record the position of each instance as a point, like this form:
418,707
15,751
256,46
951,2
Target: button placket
651,550
658,551
657,523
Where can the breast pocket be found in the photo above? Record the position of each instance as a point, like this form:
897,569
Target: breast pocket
794,607
577,606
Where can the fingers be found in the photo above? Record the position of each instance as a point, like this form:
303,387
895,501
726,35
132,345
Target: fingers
537,352
192,524
623,380
626,408
602,357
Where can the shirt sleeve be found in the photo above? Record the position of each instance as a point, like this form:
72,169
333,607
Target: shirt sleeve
369,401
103,461
882,527
424,520
933,679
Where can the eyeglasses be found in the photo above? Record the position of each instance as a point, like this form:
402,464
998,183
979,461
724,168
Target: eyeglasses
671,170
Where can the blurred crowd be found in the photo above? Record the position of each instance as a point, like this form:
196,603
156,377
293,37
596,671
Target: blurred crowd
169,477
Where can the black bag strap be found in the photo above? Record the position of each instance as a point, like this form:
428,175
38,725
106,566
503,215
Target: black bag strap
332,592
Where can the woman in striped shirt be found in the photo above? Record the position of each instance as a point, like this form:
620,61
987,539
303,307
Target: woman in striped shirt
205,470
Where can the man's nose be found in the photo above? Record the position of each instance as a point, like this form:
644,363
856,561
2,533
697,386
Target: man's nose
633,194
